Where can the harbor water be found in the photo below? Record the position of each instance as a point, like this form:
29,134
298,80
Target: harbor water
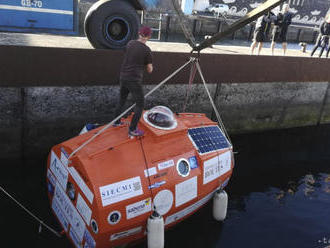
279,196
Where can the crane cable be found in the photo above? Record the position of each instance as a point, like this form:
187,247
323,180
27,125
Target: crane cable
191,60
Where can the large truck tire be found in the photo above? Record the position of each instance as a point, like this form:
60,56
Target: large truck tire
111,24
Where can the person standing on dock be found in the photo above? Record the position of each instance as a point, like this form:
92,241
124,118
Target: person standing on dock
323,38
282,23
138,57
327,55
261,31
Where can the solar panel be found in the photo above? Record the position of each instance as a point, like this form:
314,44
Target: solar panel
208,139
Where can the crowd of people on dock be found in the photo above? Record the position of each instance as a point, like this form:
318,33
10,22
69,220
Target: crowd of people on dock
281,23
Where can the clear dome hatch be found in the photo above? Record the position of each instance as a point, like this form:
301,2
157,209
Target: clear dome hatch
160,117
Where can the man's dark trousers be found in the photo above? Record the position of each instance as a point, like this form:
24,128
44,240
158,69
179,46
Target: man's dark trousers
136,90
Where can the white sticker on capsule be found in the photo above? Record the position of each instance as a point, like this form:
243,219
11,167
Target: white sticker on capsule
120,191
217,166
75,238
83,209
185,191
60,215
138,208
64,157
181,214
150,172
70,212
163,201
166,164
89,240
51,177
59,170
81,183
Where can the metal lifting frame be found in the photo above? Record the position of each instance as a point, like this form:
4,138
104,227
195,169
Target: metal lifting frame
191,60
131,107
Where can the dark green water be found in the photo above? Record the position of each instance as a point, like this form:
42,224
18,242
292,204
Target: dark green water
279,196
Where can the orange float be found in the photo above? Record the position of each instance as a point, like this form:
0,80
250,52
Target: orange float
104,194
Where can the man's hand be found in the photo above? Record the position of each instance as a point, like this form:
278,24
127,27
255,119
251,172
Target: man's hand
150,68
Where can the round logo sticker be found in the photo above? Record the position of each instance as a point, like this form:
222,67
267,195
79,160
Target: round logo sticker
114,217
163,201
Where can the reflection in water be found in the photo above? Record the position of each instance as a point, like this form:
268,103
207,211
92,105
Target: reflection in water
327,179
278,197
307,184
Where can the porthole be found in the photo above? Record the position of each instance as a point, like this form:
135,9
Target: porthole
95,228
183,167
114,217
71,191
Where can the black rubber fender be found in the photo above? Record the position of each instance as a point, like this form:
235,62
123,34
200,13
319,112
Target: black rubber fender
106,15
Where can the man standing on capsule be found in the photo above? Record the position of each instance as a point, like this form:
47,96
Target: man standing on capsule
137,58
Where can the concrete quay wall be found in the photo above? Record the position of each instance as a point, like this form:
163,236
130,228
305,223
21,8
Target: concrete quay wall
33,119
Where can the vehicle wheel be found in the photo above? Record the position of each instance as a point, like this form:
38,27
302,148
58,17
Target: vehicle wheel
224,13
111,24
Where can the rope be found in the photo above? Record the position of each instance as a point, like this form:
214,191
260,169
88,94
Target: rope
31,214
222,126
131,107
147,169
193,70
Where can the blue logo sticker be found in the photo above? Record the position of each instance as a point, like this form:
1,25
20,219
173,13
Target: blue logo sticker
157,184
193,162
50,188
